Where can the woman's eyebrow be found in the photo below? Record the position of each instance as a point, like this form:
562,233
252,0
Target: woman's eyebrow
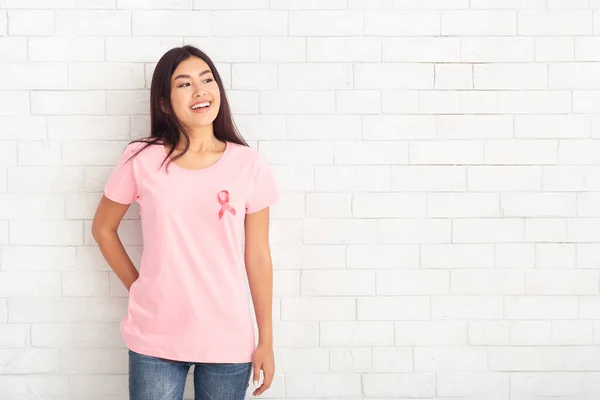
187,76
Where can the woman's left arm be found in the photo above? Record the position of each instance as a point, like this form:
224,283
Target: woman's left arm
259,269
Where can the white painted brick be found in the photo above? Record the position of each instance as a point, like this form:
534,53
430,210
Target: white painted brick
566,333
314,76
339,231
294,334
96,4
540,307
323,385
561,384
106,76
508,4
138,49
577,151
44,179
78,49
23,127
397,127
99,387
587,255
446,152
45,232
582,229
84,284
357,102
413,231
425,333
3,23
585,102
323,127
31,23
30,284
393,308
92,152
342,49
3,311
389,205
88,128
282,49
127,102
254,76
492,386
521,152
263,127
302,360
410,385
573,76
479,23
297,152
554,48
588,307
68,102
227,49
370,153
352,178
94,361
553,126
402,23
474,126
72,23
426,49
538,204
97,335
317,309
431,4
230,4
326,205
29,361
488,230
545,230
43,258
13,103
337,283
412,282
393,76
555,255
457,255
488,333
240,101
555,22
463,205
504,178
496,49
154,4
534,102
571,178
296,102
453,76
8,153
357,333
537,333
15,336
326,23
429,178
347,359
400,102
439,102
487,282
382,256
244,23
510,76
28,207
34,76
173,23
449,359
295,179
307,4
457,307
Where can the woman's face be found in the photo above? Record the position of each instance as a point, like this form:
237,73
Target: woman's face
193,87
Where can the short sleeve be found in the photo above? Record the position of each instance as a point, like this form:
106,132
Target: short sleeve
264,190
121,186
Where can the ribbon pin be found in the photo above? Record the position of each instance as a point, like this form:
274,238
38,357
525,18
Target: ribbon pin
223,198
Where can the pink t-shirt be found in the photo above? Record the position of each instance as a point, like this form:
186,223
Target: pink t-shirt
191,301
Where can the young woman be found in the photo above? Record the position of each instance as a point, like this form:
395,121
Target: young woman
201,191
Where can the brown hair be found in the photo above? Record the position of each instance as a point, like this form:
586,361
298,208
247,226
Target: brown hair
164,126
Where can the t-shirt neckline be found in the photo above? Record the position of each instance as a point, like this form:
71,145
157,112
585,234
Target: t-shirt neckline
198,171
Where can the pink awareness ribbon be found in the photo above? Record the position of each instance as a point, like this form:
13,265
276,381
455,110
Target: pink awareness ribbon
223,197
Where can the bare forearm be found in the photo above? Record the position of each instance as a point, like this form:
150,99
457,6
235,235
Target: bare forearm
117,258
260,278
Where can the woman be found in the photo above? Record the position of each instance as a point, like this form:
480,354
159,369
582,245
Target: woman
188,304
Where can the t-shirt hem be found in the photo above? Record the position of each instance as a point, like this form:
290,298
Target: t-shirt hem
258,208
173,356
116,199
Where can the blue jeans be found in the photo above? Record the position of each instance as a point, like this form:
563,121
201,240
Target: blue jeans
152,378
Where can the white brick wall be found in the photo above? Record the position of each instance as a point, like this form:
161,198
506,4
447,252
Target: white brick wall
437,236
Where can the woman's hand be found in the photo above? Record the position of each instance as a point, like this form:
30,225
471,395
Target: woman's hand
263,359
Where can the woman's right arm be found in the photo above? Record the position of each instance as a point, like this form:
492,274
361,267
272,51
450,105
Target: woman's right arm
107,218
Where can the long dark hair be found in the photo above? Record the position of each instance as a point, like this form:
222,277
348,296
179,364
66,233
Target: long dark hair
165,127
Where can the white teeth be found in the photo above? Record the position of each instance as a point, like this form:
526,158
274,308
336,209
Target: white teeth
200,105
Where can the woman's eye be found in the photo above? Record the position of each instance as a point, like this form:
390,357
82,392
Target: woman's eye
208,80
183,84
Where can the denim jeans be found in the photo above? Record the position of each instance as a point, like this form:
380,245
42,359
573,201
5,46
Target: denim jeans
152,378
